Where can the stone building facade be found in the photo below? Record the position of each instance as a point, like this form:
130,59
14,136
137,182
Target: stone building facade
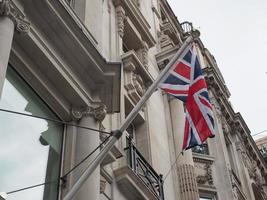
262,145
67,65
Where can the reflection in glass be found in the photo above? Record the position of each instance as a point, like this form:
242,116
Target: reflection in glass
202,149
30,147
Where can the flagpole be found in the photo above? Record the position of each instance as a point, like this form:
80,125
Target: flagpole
128,120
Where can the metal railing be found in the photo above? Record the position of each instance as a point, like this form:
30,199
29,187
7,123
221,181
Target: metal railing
187,27
144,171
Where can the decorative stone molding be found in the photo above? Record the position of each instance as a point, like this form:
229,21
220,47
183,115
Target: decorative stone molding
203,168
109,6
120,13
136,2
207,177
133,13
236,187
167,28
7,8
103,184
188,183
145,54
134,86
98,113
165,41
164,57
154,9
225,128
136,77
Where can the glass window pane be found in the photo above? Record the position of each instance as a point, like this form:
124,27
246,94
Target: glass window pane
30,148
202,149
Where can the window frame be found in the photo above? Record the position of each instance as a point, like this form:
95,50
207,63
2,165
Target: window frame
19,76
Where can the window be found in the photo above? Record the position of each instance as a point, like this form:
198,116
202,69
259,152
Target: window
131,132
30,148
202,149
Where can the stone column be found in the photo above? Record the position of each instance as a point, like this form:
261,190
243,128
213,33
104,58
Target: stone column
10,19
185,164
86,141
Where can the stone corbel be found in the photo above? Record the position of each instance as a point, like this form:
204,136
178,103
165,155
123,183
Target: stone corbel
98,113
120,13
7,8
145,54
103,183
165,41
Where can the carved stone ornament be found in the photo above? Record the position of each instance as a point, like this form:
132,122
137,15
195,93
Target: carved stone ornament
165,41
8,9
145,54
98,113
103,184
207,178
134,85
120,13
109,6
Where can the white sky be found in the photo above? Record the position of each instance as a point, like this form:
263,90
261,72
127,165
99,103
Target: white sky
235,32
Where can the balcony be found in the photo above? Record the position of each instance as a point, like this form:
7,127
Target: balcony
137,179
112,155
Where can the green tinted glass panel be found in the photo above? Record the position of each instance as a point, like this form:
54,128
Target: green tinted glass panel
30,148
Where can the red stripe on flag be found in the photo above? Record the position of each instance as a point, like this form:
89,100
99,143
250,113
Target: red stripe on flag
183,70
175,91
198,119
205,102
186,133
198,85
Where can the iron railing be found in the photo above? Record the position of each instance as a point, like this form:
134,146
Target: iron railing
187,27
144,171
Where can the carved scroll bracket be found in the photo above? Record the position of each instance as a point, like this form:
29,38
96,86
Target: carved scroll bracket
7,8
98,113
120,13
145,54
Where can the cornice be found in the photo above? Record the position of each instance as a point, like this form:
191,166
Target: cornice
200,158
172,27
172,16
234,120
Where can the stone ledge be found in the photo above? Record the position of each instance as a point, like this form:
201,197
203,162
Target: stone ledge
132,186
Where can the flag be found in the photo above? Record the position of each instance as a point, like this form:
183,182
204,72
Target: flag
186,82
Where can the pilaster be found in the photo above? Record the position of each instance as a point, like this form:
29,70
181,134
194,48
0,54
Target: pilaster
185,164
86,141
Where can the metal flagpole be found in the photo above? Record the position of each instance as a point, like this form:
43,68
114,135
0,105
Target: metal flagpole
118,133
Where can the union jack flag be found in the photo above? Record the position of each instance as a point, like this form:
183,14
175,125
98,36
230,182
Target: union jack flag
186,82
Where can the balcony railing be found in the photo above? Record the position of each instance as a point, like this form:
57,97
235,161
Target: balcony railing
187,27
144,171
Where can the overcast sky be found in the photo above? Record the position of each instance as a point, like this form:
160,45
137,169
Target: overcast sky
235,32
